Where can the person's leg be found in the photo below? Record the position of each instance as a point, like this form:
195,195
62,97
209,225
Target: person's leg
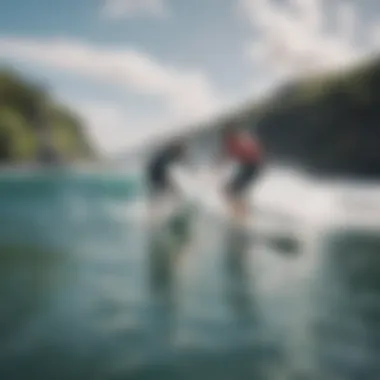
233,194
156,193
237,188
155,177
156,190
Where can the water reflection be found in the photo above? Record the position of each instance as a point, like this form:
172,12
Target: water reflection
238,277
88,291
347,324
167,243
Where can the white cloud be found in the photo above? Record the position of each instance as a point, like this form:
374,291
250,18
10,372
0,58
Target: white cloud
117,9
113,129
186,96
293,40
108,126
182,92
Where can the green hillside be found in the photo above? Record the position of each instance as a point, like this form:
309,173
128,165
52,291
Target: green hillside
328,124
26,111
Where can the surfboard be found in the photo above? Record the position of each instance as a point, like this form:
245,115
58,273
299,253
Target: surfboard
204,192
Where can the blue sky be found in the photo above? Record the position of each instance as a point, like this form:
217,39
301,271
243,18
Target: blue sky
136,68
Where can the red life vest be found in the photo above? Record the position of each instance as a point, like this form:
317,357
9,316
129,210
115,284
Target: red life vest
243,149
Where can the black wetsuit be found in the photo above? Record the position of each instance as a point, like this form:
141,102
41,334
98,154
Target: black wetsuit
158,166
241,180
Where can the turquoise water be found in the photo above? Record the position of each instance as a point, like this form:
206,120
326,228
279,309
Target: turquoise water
89,289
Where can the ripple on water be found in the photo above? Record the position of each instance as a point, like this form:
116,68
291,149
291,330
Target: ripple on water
95,292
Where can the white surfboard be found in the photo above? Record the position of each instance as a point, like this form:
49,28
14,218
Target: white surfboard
204,191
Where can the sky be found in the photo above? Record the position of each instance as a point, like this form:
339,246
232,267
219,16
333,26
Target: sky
133,69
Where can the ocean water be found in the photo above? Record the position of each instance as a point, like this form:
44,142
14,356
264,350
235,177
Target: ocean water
91,287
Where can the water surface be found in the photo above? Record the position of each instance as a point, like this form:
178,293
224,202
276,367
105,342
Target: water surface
90,290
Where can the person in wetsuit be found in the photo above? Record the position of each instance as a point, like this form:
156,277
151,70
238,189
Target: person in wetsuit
159,164
246,151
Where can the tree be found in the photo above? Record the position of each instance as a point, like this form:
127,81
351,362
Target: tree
27,112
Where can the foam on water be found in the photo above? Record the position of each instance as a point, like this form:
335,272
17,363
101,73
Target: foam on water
292,195
106,301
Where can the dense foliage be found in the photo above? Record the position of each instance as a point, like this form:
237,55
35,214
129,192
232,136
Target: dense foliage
327,124
26,109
